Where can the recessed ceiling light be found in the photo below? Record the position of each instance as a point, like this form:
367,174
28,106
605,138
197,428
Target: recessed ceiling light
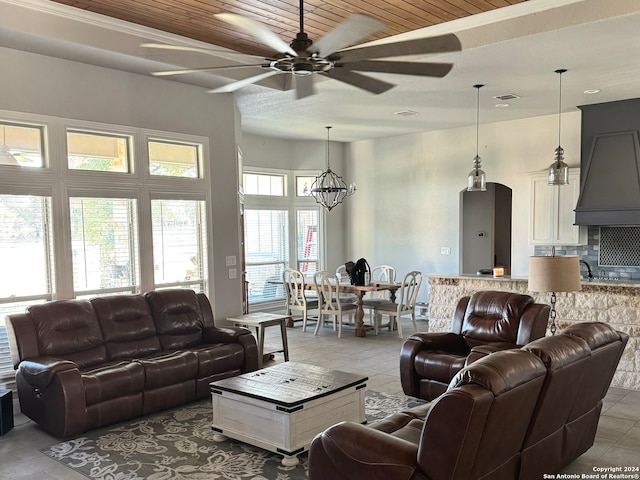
502,105
592,91
406,113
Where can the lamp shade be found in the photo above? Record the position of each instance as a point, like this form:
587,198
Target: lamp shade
554,274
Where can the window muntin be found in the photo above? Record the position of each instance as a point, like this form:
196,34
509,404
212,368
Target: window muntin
21,145
266,251
174,159
102,152
264,184
179,239
104,245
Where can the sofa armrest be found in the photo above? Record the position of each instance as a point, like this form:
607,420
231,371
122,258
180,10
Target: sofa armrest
350,450
223,334
417,343
238,335
40,372
480,351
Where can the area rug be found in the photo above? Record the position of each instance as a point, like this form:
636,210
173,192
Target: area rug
178,444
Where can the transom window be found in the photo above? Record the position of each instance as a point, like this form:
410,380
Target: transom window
264,184
174,159
98,151
21,145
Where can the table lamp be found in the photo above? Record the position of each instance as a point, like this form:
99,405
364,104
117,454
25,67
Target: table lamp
554,273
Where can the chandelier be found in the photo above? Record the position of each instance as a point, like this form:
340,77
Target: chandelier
329,189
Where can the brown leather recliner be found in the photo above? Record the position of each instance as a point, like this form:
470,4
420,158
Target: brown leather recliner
484,323
474,431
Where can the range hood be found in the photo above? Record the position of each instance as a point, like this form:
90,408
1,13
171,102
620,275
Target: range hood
610,164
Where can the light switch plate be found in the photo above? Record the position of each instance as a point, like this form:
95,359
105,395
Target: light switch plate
230,260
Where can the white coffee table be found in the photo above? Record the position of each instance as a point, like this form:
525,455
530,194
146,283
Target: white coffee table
283,407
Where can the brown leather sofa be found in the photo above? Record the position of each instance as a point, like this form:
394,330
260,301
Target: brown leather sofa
515,414
486,322
82,364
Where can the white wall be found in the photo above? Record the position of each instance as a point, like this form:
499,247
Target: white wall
49,86
407,205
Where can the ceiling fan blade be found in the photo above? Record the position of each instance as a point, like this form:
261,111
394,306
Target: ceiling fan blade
361,81
184,71
404,68
353,29
233,86
304,86
207,51
442,43
256,30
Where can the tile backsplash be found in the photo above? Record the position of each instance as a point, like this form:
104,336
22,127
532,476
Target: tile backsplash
590,253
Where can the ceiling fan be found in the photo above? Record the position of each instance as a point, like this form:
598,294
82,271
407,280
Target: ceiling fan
328,56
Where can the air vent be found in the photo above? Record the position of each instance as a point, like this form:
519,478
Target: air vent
506,96
406,113
619,247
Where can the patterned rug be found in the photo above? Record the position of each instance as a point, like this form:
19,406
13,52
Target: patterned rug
178,444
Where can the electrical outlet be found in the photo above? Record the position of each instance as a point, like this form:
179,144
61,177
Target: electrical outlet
233,273
445,250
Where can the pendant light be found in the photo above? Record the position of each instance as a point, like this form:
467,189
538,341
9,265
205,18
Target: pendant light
558,170
329,189
477,179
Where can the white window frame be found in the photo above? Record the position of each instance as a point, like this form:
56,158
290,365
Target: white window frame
292,203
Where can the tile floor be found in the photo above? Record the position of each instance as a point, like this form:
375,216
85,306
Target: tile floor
617,442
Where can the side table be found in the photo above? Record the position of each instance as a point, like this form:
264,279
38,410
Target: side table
262,320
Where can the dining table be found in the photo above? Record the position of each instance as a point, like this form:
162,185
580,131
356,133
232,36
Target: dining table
359,291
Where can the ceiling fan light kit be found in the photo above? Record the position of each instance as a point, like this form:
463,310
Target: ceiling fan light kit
329,189
304,58
477,179
558,173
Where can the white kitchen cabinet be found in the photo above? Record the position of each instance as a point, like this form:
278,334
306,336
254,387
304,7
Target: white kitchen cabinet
552,211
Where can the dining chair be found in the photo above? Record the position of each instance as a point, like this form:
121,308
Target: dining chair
296,295
329,290
405,303
381,274
343,276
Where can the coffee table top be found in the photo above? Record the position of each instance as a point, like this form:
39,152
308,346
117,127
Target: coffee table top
289,383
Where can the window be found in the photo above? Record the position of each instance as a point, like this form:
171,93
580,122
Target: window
266,251
21,145
173,159
307,240
262,184
179,256
281,231
98,151
104,245
303,185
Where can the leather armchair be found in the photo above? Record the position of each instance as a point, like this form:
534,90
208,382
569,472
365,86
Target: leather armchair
484,323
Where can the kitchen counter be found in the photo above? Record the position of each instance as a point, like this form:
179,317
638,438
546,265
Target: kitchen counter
616,302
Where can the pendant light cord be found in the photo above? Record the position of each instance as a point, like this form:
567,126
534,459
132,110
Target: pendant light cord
328,129
477,87
560,72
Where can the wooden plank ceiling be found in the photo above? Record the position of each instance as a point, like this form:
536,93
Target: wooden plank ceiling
194,18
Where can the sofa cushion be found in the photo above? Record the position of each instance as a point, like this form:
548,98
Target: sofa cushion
493,316
127,326
168,368
110,381
438,366
177,316
220,358
69,329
